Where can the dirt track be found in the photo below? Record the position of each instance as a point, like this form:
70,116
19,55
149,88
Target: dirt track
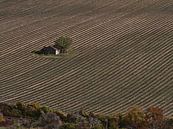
123,54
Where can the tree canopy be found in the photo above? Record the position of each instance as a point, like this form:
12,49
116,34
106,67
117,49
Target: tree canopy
63,42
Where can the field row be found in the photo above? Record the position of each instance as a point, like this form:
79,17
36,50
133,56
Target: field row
123,57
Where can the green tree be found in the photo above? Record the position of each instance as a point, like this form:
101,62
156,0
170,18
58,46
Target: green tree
63,43
135,118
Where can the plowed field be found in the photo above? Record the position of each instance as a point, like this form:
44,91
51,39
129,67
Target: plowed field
123,54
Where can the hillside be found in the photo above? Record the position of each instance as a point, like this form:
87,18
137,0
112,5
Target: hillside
123,54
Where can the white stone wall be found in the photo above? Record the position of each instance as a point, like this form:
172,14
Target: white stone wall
57,52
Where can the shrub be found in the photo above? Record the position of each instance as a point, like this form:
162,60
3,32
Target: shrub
28,110
113,123
68,126
98,127
94,120
83,124
9,110
63,42
121,121
169,123
21,106
35,105
135,118
155,118
83,113
75,117
45,109
2,119
61,114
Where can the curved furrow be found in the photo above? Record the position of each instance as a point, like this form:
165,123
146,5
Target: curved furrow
32,35
82,92
106,93
54,16
35,21
35,25
30,57
143,90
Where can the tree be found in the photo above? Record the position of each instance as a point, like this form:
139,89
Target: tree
135,118
155,118
63,43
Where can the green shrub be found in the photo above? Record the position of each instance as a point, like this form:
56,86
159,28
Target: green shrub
113,123
63,42
135,118
169,123
45,109
68,126
61,114
10,110
28,110
20,106
98,127
83,113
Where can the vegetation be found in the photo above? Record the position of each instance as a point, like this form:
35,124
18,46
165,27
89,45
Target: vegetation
2,118
124,53
64,42
34,115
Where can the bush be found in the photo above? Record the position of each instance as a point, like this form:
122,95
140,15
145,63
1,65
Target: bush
75,117
98,127
28,110
9,110
113,123
169,123
63,42
83,113
45,109
61,114
135,118
155,118
68,126
21,106
35,105
2,119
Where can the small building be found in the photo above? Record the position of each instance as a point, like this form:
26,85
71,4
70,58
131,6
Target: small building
50,50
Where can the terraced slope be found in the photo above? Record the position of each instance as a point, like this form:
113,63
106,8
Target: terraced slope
123,54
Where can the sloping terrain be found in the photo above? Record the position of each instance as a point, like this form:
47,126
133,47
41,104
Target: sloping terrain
123,54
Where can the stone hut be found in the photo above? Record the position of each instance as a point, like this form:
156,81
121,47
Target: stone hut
50,50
